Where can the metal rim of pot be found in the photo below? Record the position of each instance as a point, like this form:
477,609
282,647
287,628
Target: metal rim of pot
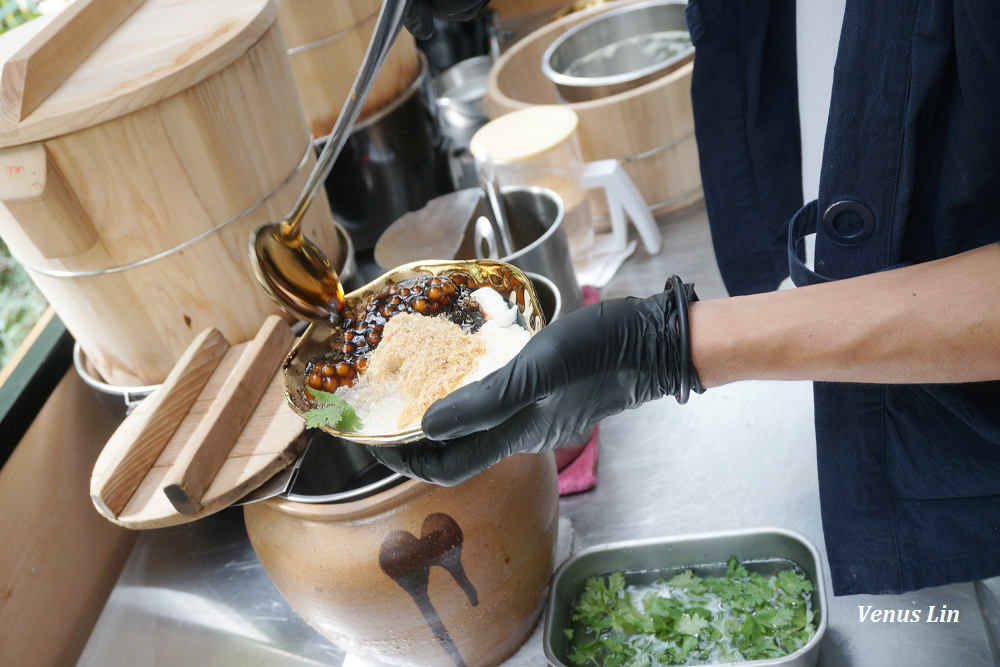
131,396
462,104
553,290
387,482
558,218
562,79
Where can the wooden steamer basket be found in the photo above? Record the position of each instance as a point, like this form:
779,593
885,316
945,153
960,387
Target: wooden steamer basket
326,42
649,129
131,191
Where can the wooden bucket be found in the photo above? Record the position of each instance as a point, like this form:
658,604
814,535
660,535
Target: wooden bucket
326,42
649,129
131,192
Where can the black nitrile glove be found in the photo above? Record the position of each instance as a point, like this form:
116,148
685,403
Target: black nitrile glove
593,363
420,15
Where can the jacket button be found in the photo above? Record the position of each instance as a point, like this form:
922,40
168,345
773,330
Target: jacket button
848,222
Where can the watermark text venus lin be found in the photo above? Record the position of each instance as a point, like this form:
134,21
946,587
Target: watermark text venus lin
933,614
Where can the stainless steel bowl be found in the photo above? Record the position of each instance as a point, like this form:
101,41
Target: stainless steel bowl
618,50
650,557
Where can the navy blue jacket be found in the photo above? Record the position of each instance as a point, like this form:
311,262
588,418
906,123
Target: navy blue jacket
909,474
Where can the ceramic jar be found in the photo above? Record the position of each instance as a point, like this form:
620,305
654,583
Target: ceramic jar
420,574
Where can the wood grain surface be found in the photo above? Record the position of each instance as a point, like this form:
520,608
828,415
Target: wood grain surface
139,441
649,129
60,559
154,179
209,446
327,41
235,434
164,47
54,52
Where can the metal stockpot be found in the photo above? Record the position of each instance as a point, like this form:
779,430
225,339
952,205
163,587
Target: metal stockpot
395,161
536,218
549,297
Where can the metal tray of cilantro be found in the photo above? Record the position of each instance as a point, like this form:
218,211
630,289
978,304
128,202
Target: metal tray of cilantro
744,597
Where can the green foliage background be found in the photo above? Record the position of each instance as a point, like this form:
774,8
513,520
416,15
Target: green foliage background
21,303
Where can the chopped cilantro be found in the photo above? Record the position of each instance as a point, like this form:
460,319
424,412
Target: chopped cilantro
691,625
793,584
333,412
671,623
686,579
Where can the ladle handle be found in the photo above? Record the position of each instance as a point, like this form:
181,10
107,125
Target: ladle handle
390,20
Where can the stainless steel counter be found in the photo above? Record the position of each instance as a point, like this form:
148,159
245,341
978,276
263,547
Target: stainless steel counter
737,456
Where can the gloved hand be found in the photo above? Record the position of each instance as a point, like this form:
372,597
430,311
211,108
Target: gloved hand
593,363
419,18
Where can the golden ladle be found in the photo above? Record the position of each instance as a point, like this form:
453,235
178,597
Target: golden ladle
292,269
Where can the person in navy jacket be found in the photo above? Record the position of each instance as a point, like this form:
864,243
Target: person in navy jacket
897,318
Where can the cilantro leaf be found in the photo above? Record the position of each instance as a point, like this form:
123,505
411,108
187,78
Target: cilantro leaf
333,412
691,625
793,583
689,581
735,569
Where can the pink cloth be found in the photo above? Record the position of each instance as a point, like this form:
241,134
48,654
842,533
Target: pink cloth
579,472
590,295
578,467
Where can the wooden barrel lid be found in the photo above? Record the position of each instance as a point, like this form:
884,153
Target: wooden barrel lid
164,47
216,429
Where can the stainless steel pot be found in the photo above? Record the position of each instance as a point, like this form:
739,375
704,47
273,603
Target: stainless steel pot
548,295
459,94
445,229
618,50
395,161
120,399
535,217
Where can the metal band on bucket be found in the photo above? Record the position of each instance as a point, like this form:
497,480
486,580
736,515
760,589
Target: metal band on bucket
59,273
330,38
653,151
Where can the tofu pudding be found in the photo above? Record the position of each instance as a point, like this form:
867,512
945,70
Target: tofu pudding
413,343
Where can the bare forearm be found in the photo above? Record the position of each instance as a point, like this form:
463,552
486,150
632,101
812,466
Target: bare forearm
933,322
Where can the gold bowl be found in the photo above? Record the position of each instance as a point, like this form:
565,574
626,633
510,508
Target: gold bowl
315,341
